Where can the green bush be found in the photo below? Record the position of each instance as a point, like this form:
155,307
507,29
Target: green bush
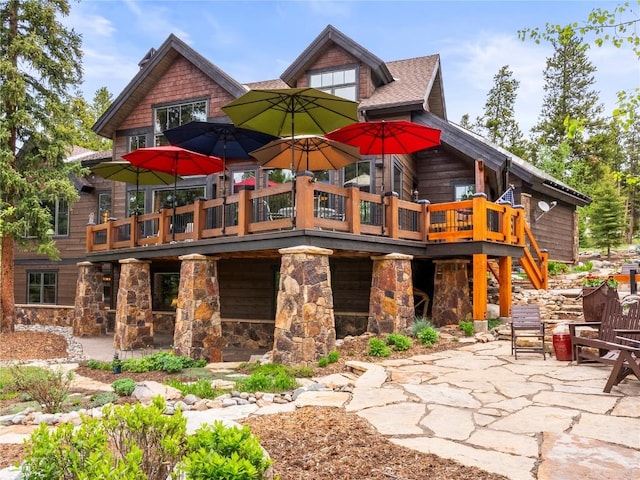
420,323
302,371
428,336
399,342
323,362
333,356
270,377
49,388
132,442
102,398
99,365
378,348
467,328
201,388
220,452
585,267
493,323
556,268
124,386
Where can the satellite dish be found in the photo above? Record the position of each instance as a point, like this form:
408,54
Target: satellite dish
544,206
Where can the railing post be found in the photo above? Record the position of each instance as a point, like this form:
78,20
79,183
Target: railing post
163,224
353,209
519,225
198,219
425,219
479,217
109,234
133,230
244,212
303,207
392,215
507,220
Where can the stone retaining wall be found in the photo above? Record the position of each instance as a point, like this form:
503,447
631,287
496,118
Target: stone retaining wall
51,315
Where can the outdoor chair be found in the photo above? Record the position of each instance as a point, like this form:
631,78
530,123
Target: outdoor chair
604,349
526,323
627,358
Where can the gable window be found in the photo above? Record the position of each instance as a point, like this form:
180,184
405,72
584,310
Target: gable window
42,287
338,82
170,116
136,142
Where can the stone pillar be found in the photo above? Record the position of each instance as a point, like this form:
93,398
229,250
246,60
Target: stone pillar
90,314
198,330
391,299
134,320
305,325
451,299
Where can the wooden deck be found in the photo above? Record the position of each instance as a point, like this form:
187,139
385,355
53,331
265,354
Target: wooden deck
332,213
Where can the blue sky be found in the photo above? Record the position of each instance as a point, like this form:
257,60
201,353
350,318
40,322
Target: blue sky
258,40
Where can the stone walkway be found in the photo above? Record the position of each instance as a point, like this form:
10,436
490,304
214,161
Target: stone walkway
525,419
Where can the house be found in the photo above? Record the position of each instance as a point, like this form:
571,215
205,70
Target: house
241,271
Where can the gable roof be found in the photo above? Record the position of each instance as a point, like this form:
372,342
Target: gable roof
152,67
475,146
330,34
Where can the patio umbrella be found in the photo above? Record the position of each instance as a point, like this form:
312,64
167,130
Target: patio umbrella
218,139
251,182
378,138
122,171
307,152
176,161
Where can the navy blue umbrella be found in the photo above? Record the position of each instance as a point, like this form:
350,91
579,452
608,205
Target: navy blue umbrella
223,140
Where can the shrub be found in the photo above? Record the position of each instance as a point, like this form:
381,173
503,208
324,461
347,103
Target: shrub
201,388
333,356
378,348
302,371
49,388
493,323
124,386
467,328
323,362
216,451
99,365
102,398
583,267
556,268
420,323
270,377
399,342
428,336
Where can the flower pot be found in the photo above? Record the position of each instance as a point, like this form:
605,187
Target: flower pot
593,300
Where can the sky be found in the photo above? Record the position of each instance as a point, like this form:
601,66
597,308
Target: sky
258,40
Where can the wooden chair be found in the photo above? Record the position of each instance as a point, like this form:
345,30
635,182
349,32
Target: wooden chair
615,316
627,358
526,323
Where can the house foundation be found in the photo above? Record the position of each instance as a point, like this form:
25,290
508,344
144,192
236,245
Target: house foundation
90,314
451,303
305,323
391,307
198,329
134,320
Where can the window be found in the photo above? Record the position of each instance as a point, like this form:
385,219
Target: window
184,196
172,116
464,192
358,174
136,202
244,178
42,287
165,290
136,142
338,82
104,206
397,178
59,211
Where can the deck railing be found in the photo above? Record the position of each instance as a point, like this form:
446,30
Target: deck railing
305,204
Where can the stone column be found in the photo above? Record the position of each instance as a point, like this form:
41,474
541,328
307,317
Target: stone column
90,314
305,325
451,299
198,330
391,298
134,320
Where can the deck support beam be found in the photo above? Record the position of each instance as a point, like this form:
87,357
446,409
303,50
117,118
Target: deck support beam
134,320
480,289
451,300
505,265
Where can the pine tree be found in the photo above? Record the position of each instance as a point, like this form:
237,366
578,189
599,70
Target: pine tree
39,64
87,115
606,219
498,122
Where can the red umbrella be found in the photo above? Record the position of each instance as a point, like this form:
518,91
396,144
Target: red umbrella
176,161
251,182
378,138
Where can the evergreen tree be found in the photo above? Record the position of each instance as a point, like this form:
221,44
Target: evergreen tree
87,115
606,217
39,64
498,122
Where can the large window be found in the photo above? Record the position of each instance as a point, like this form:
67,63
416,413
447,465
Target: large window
172,116
338,82
42,287
359,174
464,192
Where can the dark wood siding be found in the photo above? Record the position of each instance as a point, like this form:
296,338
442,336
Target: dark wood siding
554,230
66,287
351,284
438,174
